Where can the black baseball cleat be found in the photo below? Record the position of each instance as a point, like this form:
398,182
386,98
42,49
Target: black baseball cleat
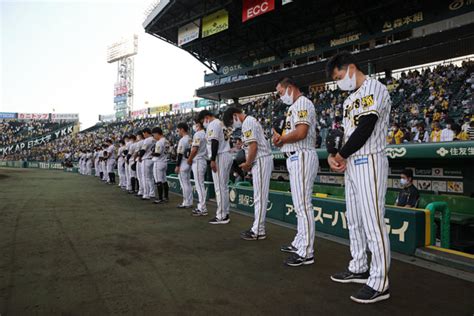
145,198
289,249
197,212
216,221
250,235
349,277
367,295
184,206
158,201
296,260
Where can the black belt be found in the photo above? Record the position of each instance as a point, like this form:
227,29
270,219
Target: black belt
291,153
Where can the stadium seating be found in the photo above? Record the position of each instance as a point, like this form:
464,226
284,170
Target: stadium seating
438,93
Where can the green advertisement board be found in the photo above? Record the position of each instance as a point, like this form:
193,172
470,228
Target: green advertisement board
406,227
175,187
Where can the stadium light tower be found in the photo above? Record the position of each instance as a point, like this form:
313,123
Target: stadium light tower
122,52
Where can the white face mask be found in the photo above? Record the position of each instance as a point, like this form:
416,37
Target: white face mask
195,128
205,124
237,123
347,83
403,182
286,98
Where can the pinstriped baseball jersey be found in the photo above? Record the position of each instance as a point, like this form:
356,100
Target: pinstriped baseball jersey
162,148
252,131
301,112
371,98
199,140
111,152
148,145
216,130
184,145
137,146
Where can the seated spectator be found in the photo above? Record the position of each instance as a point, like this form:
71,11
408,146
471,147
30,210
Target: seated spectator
421,135
471,131
395,136
409,195
447,134
435,133
460,134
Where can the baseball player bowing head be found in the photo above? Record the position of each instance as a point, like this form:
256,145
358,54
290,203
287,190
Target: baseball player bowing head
297,142
183,169
258,160
146,151
197,159
363,159
160,159
218,147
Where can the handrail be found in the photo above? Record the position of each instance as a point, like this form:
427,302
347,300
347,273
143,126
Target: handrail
441,207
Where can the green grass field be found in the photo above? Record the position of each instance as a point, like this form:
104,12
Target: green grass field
71,245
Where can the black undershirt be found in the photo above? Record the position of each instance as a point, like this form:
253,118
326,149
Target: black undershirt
214,149
359,136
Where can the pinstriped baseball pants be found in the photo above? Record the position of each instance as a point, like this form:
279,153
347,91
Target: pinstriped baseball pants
366,186
302,168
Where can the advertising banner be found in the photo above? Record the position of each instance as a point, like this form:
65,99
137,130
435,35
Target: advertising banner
120,98
188,32
406,227
176,107
215,23
186,105
160,109
33,116
107,118
139,113
28,144
64,116
202,103
254,8
7,115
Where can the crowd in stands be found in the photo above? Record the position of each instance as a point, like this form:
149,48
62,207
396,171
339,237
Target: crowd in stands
15,131
432,105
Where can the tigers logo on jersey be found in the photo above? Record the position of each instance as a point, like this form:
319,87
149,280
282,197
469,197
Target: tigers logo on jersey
366,102
303,114
248,133
227,133
210,133
197,142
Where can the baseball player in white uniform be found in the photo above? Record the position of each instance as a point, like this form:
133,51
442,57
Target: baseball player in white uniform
88,162
110,161
83,162
259,161
146,152
103,164
218,148
160,164
197,159
132,167
121,164
297,142
183,169
138,166
363,158
97,161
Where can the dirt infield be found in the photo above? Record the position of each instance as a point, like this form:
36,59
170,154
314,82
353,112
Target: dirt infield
71,245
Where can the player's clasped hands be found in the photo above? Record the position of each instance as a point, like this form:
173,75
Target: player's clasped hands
276,138
213,166
337,163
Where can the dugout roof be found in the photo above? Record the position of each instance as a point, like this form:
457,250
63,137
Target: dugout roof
288,32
